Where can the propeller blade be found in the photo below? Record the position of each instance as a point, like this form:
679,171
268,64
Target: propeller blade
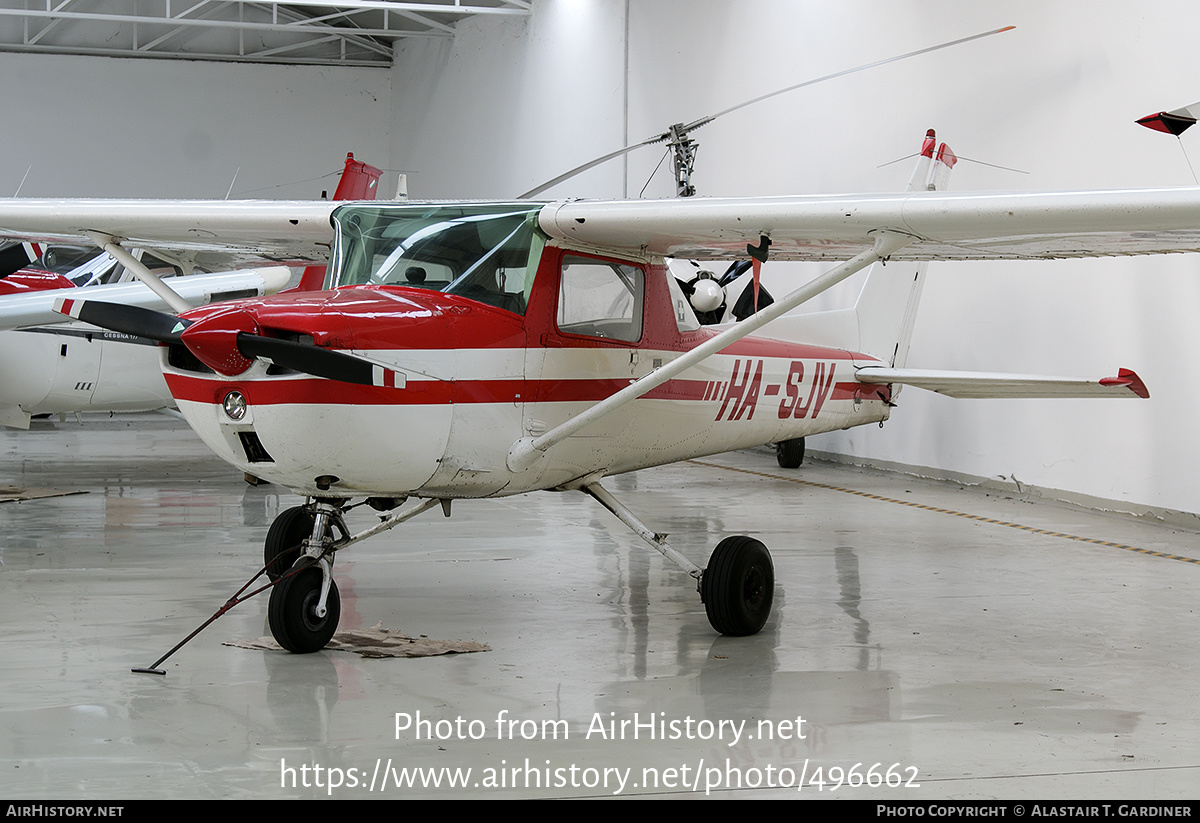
683,130
736,269
147,323
18,256
312,359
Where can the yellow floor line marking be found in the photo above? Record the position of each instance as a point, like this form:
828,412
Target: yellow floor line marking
1110,544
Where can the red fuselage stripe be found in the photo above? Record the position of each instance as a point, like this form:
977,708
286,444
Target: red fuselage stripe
419,393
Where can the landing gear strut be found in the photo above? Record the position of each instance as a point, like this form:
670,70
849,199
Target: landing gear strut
737,588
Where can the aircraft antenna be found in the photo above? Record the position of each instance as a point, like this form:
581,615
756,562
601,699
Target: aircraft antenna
231,182
22,183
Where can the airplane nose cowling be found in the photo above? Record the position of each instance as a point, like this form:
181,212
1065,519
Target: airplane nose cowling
213,340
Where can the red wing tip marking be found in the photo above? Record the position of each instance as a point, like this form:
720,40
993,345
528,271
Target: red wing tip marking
1129,379
1167,122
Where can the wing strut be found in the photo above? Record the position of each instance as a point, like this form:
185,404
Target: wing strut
113,246
524,452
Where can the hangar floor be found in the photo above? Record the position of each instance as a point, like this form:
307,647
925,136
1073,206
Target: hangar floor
977,658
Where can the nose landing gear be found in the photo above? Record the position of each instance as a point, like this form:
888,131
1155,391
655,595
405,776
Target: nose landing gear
305,604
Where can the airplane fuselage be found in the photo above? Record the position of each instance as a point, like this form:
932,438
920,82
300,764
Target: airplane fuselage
75,368
476,376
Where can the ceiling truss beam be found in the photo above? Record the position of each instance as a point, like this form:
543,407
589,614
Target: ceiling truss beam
319,32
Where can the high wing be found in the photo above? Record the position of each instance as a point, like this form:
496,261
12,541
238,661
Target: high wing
213,234
947,226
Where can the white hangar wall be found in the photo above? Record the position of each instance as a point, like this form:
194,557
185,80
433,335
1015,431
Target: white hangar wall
104,127
511,103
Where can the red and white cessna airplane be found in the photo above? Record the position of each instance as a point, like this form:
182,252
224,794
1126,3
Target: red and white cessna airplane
465,350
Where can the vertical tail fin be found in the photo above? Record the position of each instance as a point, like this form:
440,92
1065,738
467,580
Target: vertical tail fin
887,306
359,181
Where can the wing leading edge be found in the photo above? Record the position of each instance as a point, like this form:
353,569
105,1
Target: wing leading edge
946,225
213,233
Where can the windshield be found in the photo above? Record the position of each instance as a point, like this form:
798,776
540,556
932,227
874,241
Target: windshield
486,252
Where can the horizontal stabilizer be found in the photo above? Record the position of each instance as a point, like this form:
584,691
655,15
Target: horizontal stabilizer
993,385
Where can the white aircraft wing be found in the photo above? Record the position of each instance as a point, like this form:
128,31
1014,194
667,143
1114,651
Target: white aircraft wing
948,226
992,385
214,234
37,308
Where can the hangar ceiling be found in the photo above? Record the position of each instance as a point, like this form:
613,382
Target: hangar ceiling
317,32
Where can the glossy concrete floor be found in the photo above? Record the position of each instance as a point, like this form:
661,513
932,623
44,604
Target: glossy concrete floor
973,658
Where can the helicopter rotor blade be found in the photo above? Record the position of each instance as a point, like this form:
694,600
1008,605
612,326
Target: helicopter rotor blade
682,131
534,192
703,121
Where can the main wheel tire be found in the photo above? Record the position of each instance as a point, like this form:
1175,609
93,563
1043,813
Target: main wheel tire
292,612
738,586
283,544
790,453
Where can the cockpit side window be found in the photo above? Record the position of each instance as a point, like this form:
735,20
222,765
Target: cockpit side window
598,298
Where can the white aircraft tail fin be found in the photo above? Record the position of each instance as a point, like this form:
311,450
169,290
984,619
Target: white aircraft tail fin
887,306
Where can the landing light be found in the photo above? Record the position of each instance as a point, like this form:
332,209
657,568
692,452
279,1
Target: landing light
234,405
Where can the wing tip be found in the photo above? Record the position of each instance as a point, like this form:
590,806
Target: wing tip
1167,122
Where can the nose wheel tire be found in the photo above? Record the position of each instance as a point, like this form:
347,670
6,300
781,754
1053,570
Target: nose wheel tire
292,612
282,547
738,586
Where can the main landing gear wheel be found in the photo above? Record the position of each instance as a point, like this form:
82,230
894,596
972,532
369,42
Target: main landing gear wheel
292,612
738,586
790,453
284,539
